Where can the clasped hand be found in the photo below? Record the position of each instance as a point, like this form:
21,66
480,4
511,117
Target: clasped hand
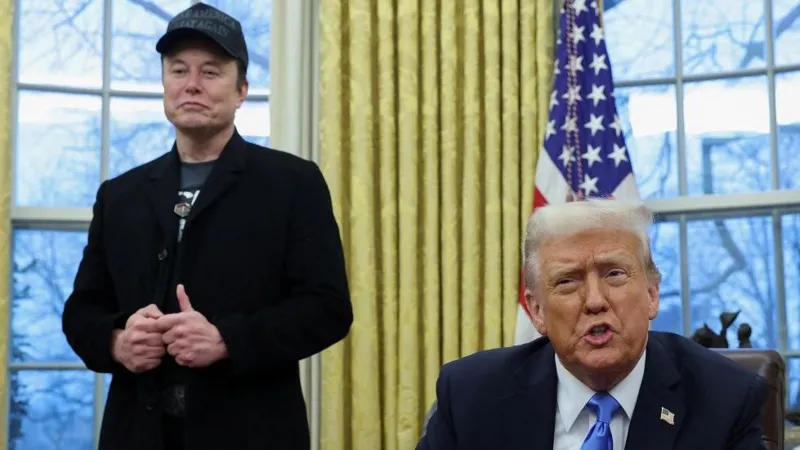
187,335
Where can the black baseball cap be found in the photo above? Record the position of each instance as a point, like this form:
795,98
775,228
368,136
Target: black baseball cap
210,22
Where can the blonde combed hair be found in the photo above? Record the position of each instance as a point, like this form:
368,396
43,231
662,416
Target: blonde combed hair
575,217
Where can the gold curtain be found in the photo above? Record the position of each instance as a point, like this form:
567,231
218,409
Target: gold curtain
431,118
6,46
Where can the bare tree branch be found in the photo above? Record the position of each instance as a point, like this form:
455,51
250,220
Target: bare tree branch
708,287
153,9
755,49
159,12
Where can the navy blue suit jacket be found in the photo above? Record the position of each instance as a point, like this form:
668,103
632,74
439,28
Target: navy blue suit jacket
505,399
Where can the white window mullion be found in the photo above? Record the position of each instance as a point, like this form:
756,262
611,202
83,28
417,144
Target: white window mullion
105,151
51,214
105,118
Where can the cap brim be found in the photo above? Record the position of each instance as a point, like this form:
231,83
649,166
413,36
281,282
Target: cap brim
174,37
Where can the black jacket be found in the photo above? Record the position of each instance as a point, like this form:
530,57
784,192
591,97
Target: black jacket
260,257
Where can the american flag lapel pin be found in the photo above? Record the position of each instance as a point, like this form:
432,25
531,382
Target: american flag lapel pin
667,416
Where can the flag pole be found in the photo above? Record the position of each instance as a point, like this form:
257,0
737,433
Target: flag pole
600,11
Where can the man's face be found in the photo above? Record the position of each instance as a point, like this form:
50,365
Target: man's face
200,87
593,299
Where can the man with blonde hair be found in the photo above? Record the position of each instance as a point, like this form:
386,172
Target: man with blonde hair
598,378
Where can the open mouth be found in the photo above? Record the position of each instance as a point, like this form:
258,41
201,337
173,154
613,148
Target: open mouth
599,335
598,330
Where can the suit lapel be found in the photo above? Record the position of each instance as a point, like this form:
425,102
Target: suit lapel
162,192
226,171
524,417
660,408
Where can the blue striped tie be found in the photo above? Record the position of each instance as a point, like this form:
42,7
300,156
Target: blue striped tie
599,437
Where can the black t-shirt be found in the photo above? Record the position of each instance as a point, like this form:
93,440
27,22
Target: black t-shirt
193,176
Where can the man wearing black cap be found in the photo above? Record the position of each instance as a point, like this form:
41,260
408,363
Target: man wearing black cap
209,272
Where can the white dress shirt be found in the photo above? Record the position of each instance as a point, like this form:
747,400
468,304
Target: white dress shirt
574,419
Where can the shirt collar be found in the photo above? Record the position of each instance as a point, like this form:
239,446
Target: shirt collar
573,394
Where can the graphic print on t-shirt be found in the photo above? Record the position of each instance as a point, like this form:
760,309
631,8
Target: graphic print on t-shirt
193,176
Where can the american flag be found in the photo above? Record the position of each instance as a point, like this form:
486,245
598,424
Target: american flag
584,152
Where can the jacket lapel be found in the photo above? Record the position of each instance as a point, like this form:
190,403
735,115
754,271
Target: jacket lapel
524,417
162,192
226,171
660,408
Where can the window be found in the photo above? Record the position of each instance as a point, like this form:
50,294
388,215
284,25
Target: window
706,92
87,107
